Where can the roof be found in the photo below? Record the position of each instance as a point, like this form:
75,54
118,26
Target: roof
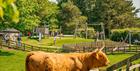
9,31
1,33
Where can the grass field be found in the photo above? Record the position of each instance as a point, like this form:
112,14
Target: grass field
12,60
50,41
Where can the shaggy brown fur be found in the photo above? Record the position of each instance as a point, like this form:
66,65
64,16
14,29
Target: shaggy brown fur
41,61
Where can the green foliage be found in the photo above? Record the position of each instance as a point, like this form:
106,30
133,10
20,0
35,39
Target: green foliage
85,6
36,13
68,14
71,18
137,22
8,11
114,14
121,34
48,13
90,33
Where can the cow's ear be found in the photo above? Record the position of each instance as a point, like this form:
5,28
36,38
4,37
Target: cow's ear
95,54
103,46
97,50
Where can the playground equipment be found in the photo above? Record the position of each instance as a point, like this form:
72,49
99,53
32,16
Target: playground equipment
86,28
129,39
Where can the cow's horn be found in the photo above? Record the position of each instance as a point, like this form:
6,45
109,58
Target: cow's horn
103,45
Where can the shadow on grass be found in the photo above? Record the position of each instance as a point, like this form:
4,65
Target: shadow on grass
50,44
5,53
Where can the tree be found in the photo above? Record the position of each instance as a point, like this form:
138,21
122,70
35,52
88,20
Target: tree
71,18
9,13
28,18
85,6
114,14
48,12
36,13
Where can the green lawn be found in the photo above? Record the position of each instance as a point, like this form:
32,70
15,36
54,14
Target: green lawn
50,41
12,60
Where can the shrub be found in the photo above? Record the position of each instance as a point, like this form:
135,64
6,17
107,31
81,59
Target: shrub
121,34
90,33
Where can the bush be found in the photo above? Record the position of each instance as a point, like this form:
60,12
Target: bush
90,33
121,34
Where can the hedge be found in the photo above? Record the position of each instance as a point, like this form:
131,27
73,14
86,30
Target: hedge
121,34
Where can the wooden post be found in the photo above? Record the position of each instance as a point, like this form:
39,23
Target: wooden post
128,65
75,47
83,48
16,44
24,47
106,50
9,43
90,47
31,48
111,51
124,49
118,49
136,49
39,48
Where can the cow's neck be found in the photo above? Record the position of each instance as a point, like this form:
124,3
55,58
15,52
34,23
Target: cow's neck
87,60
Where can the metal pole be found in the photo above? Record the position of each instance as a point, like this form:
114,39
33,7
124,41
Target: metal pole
129,37
86,30
129,40
102,26
75,31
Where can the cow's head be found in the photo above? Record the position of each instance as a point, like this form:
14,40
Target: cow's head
99,58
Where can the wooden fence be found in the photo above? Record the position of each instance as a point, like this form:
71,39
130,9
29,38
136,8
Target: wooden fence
110,47
27,47
127,63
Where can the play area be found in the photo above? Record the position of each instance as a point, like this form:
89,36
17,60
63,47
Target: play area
122,50
69,35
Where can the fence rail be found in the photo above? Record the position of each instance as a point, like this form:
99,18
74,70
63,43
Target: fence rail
110,48
127,62
27,47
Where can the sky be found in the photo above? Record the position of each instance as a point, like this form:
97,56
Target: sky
53,1
137,5
135,2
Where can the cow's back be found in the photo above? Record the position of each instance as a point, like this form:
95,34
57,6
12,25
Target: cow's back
59,62
40,61
35,61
